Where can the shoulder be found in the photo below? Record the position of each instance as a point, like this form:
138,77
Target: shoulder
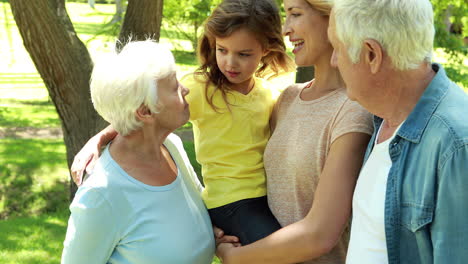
90,199
192,80
350,107
174,142
291,92
349,116
105,183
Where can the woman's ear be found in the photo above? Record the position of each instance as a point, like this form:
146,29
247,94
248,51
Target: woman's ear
266,52
143,113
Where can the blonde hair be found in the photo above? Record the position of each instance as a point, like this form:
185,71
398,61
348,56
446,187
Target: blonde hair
404,28
323,6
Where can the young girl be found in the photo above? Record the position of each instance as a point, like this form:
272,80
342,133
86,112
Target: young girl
230,106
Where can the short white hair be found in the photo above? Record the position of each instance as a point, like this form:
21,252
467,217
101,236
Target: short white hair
404,28
122,82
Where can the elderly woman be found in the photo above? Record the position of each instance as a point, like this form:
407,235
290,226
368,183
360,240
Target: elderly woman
142,203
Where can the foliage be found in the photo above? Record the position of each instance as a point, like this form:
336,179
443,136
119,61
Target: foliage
451,23
187,16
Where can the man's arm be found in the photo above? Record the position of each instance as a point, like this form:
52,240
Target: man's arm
449,229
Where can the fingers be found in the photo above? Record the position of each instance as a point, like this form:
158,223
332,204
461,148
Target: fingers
218,232
228,239
78,167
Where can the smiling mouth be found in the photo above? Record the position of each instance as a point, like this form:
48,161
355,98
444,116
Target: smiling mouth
298,44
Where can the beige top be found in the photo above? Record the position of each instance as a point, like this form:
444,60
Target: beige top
296,152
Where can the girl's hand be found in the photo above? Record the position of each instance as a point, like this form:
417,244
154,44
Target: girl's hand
85,160
221,238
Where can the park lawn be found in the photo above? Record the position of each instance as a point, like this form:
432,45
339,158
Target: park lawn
33,240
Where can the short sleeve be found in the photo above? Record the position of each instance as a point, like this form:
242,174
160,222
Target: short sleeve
351,118
181,155
195,98
91,233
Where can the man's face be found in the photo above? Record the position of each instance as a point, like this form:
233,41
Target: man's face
351,73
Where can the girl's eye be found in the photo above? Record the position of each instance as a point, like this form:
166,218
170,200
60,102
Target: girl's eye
295,14
221,50
244,55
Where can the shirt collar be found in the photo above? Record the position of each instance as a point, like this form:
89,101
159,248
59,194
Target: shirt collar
416,122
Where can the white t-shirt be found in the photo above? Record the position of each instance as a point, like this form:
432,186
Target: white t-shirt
367,244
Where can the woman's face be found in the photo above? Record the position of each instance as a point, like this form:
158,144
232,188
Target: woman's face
307,30
173,109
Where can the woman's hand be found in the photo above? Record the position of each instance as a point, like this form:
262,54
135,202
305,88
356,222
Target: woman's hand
85,160
223,250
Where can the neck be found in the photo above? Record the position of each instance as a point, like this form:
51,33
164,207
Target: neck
144,144
326,80
327,77
400,94
244,87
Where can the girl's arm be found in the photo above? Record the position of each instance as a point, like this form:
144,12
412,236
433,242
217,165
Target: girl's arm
321,229
87,156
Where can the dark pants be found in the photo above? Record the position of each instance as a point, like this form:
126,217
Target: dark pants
250,219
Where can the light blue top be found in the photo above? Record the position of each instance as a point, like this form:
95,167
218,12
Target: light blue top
118,219
426,201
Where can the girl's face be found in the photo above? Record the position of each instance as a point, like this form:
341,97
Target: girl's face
238,56
307,30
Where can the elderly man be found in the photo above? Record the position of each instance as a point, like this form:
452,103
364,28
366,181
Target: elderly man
411,199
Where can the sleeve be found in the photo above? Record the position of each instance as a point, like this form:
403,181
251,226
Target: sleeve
351,118
195,98
449,231
185,161
91,234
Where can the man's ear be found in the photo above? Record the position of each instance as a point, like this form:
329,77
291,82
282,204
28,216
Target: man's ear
373,55
143,113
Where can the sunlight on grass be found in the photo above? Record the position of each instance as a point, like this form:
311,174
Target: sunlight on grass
33,239
34,177
28,113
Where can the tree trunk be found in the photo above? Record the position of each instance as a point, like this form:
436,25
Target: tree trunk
304,74
64,64
142,20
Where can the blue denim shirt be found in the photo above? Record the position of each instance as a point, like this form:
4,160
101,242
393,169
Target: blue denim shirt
426,202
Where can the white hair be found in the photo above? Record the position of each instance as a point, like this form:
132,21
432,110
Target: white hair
404,28
122,82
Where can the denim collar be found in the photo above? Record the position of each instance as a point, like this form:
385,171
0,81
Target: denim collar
415,124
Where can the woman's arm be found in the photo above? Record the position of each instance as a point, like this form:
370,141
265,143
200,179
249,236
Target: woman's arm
87,156
320,230
92,230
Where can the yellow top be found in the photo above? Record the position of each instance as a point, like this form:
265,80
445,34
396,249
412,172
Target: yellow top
229,144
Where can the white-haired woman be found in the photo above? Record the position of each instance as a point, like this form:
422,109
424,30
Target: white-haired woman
141,204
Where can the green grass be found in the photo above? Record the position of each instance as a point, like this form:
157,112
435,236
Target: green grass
33,240
34,177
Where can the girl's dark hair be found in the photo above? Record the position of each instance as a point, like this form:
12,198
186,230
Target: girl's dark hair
260,17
